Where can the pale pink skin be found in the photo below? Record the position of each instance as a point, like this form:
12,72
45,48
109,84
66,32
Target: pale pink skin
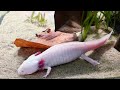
61,54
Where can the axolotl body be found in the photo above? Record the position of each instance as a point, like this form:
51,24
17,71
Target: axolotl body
60,54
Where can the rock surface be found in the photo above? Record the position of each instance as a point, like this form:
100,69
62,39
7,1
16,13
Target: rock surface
11,57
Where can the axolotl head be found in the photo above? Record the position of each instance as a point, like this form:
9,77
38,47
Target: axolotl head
31,65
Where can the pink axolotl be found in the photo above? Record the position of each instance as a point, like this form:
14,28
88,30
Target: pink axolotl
60,54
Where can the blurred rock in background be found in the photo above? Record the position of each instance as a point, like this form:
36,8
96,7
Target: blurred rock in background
2,14
68,21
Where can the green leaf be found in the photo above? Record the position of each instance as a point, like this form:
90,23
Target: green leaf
32,14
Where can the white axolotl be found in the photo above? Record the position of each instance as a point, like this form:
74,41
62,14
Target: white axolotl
60,54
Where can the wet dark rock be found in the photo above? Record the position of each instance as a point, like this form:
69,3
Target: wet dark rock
117,45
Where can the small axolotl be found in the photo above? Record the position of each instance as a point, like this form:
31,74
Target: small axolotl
60,54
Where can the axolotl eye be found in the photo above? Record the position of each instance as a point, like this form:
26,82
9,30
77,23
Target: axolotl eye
22,71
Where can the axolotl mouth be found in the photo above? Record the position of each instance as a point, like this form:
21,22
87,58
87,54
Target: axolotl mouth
27,69
31,67
24,73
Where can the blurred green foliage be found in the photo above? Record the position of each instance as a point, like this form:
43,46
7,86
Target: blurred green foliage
38,20
92,18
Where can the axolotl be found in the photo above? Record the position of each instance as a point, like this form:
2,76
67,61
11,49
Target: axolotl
60,54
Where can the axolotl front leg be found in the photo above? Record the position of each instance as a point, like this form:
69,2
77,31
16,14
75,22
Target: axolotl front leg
48,71
43,66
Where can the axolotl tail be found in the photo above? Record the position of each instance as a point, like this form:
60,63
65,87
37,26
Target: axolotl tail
91,45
